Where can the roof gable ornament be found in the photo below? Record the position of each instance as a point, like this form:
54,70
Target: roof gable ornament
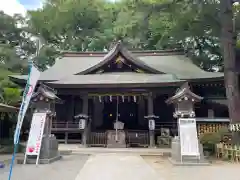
117,51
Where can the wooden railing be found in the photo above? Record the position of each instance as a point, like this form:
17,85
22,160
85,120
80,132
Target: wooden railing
98,138
65,126
228,152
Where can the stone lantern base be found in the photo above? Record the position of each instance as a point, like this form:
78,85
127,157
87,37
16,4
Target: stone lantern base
176,158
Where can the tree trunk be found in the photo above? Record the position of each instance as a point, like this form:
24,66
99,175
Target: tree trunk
230,65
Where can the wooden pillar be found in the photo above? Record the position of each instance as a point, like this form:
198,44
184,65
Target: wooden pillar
85,112
66,134
98,116
72,109
141,111
70,117
151,113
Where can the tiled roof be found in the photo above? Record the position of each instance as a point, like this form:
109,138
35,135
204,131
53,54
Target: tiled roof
163,62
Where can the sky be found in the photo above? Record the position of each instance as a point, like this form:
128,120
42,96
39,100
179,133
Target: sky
12,7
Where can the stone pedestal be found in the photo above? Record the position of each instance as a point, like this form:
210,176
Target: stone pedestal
49,149
121,139
176,158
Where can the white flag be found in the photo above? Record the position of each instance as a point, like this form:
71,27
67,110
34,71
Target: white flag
29,89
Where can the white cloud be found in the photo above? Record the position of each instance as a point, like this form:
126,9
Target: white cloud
33,6
12,7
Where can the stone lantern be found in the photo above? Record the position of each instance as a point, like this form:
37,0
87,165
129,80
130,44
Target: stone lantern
44,101
184,101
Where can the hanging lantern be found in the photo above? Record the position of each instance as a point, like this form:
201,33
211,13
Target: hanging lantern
100,99
135,98
122,98
110,97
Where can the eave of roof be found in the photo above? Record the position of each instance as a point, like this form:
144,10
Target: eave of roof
116,79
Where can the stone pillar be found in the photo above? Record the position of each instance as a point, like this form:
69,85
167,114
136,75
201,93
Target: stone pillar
85,112
151,118
141,111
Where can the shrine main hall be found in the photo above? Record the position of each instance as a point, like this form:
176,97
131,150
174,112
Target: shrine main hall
131,95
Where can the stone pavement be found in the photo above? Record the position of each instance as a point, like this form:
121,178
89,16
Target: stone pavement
117,167
110,166
218,170
65,169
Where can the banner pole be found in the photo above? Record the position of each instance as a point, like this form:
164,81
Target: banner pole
13,156
33,77
25,158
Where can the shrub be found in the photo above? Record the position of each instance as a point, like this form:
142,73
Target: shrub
209,140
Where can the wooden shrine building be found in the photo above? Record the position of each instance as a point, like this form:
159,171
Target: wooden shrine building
128,90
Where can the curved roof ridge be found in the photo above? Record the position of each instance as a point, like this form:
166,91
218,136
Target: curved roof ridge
139,52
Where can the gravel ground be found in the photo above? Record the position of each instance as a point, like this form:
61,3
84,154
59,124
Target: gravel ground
216,171
65,169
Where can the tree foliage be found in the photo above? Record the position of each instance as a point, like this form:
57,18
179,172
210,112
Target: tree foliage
93,25
86,25
15,48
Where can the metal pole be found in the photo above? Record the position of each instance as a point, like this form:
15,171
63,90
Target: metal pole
116,137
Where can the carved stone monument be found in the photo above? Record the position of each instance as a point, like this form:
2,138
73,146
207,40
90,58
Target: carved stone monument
44,101
183,101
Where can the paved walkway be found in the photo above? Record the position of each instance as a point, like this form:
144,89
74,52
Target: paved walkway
117,167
